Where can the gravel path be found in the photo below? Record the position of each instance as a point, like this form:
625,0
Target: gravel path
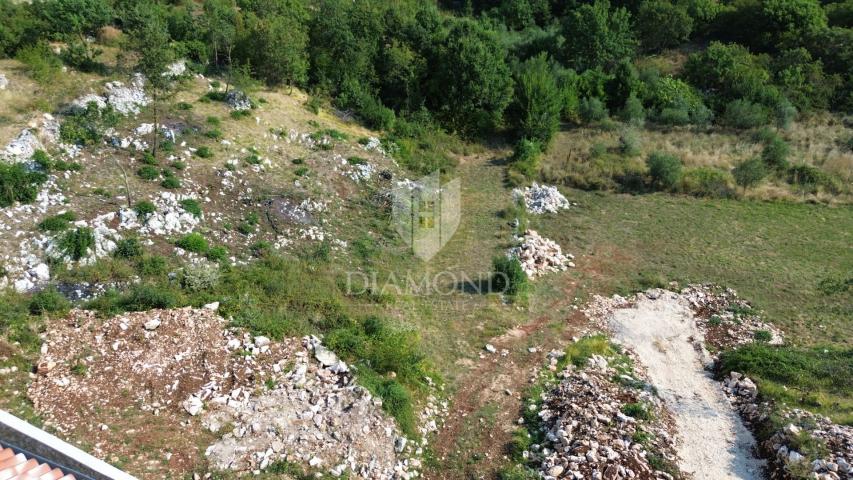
713,443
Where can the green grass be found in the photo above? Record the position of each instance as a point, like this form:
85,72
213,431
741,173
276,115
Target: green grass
777,255
818,379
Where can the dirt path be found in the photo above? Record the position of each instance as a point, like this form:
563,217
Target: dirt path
713,443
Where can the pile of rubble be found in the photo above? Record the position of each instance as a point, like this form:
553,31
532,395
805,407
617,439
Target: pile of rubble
725,319
125,99
588,435
539,199
268,401
783,446
168,218
314,415
539,255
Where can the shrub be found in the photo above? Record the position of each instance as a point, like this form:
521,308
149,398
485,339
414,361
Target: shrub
192,206
762,336
261,249
706,182
147,297
301,171
240,114
171,182
148,159
784,113
749,173
775,153
637,410
214,134
253,160
745,114
217,254
200,276
215,121
508,277
48,301
204,152
144,208
525,159
592,110
193,242
151,265
629,142
810,179
148,172
178,165
128,248
76,243
633,112
17,184
664,169
41,63
57,223
86,126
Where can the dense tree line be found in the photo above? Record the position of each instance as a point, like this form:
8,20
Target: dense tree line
481,66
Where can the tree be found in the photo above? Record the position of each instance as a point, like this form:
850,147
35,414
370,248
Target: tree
276,44
749,173
222,23
598,36
73,20
730,72
664,169
662,24
150,38
472,85
536,111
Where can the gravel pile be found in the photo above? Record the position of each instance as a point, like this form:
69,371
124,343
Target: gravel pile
588,435
539,255
539,199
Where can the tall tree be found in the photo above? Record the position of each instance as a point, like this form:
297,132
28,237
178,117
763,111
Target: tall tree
150,38
472,85
222,22
598,36
538,101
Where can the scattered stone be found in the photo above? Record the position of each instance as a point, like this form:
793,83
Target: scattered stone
4,82
238,100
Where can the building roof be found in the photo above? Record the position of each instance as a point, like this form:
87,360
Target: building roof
17,466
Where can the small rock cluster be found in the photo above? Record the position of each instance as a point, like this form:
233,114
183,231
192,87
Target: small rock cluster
539,199
539,255
238,100
587,434
782,447
41,131
168,218
4,82
125,99
725,319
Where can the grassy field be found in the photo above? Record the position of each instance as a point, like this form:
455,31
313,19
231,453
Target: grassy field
780,256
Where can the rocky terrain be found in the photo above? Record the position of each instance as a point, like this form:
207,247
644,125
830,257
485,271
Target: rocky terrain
588,433
263,401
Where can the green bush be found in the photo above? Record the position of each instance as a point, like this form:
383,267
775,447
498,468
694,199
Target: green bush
193,242
749,173
215,121
17,184
178,165
508,277
214,134
706,182
86,126
151,265
664,170
148,159
148,172
48,301
775,153
40,62
525,158
128,248
77,243
171,183
637,410
57,223
144,208
240,114
592,110
633,112
629,142
192,206
745,114
217,254
147,297
200,276
204,152
810,179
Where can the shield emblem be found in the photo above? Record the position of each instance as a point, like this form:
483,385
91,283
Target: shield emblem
426,213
